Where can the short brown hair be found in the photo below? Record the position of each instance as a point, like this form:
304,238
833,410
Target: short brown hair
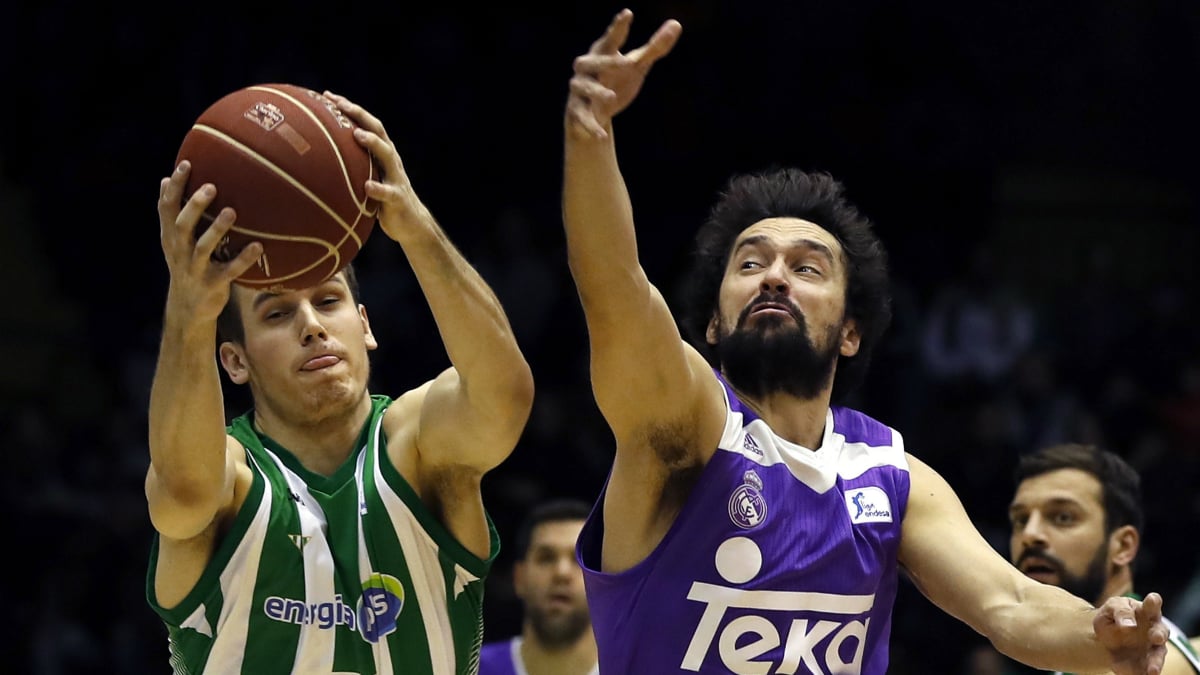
229,322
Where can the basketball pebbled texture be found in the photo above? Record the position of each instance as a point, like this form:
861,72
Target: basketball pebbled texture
285,159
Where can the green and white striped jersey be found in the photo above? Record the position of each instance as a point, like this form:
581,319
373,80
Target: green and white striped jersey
330,575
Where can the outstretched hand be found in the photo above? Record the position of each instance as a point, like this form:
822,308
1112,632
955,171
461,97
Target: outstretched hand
606,81
1134,634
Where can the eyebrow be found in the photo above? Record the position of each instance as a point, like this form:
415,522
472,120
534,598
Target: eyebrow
262,297
268,295
1053,501
811,244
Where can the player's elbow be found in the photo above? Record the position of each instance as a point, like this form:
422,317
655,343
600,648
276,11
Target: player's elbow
521,390
180,510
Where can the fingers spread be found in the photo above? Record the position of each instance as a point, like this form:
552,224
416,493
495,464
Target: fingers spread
358,113
615,36
212,236
170,189
245,260
659,45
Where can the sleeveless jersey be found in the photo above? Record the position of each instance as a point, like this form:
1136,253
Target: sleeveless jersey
503,657
781,560
348,573
1176,637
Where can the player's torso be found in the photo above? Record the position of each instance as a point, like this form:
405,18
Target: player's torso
340,574
783,560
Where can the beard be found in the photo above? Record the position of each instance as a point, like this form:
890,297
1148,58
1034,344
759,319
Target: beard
1089,585
772,357
559,630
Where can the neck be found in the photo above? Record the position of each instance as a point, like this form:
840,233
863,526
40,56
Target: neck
322,444
798,420
577,658
1118,584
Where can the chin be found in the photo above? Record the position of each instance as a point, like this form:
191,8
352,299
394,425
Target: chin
332,397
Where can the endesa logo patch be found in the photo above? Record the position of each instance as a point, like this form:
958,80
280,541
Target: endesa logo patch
868,505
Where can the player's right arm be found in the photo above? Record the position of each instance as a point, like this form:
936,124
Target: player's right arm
193,463
657,394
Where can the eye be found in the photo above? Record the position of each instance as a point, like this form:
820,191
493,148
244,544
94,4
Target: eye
1063,518
329,300
1018,520
808,269
276,314
749,264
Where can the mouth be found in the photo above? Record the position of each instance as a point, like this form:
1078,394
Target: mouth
321,362
1039,569
770,308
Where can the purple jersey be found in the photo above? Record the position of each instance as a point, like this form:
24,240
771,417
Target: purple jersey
782,559
502,657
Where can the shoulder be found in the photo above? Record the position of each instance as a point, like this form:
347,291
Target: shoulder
404,411
858,427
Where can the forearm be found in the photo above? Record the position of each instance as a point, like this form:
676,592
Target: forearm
598,219
1050,629
187,416
474,329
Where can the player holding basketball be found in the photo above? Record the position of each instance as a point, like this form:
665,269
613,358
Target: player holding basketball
751,523
329,529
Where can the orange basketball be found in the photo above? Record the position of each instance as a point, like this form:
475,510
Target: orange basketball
285,159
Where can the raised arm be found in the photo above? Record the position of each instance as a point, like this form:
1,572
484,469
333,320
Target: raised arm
190,478
657,394
1035,623
473,413
642,371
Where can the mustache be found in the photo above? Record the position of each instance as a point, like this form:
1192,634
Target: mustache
1041,555
765,298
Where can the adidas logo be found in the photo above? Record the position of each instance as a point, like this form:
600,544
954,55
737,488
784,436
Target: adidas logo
750,444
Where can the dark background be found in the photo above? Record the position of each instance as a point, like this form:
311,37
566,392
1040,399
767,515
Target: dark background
1030,166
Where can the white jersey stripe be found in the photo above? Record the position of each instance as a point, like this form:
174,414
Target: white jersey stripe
315,647
229,650
429,587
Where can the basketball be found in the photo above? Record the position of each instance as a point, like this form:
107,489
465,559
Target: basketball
285,159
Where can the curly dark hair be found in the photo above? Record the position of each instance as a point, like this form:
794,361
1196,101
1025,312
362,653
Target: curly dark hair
817,198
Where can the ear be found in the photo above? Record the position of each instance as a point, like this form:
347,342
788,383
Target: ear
1123,545
711,335
518,576
233,359
850,338
368,336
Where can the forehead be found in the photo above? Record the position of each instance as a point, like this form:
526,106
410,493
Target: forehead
247,297
556,533
788,232
1075,485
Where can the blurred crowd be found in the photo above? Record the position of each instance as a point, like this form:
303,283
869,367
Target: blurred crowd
1035,301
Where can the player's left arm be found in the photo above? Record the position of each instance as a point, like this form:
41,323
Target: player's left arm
470,417
1035,623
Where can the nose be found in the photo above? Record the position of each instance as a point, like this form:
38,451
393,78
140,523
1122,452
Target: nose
775,278
1032,535
310,324
564,565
